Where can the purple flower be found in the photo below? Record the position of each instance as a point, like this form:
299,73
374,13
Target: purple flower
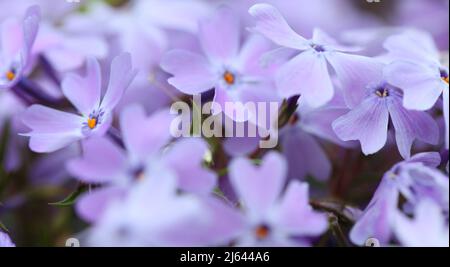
104,162
16,42
368,121
414,179
416,69
53,129
272,218
307,73
5,241
235,75
300,140
153,213
429,228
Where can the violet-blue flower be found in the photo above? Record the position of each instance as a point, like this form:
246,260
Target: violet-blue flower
414,179
234,74
417,70
52,129
5,240
274,218
16,42
307,72
368,121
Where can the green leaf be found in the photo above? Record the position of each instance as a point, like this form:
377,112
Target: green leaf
71,199
3,228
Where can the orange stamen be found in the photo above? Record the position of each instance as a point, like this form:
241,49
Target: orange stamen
10,75
229,77
445,79
262,232
92,122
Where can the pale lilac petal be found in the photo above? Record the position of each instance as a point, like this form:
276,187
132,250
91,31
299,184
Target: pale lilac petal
11,38
92,205
145,136
431,159
51,142
411,124
251,52
84,92
122,74
192,73
258,186
421,84
271,24
305,156
322,38
295,214
5,240
412,45
307,75
446,116
102,161
30,29
42,119
355,73
367,123
219,35
192,176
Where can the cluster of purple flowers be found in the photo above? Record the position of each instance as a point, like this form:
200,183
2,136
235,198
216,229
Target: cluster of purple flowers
90,91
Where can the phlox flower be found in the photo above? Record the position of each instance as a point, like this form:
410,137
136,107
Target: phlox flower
234,73
52,129
307,72
105,163
368,121
428,228
5,240
414,179
16,42
271,217
417,70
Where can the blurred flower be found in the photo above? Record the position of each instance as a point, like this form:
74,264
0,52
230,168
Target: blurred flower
300,139
17,40
414,179
273,218
53,129
235,75
5,241
429,228
417,70
307,73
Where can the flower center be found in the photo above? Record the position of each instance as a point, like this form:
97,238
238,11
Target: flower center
10,75
229,78
318,48
383,92
444,76
91,123
262,232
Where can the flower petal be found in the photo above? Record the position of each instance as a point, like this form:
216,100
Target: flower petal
411,124
42,119
121,76
223,44
192,73
296,215
192,176
258,187
367,123
271,24
421,87
307,75
102,161
84,92
144,136
355,73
